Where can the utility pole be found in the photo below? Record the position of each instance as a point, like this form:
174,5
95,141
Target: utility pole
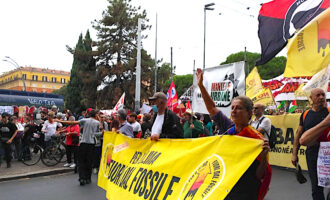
206,7
171,64
138,68
156,68
245,61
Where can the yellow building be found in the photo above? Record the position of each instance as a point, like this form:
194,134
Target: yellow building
35,79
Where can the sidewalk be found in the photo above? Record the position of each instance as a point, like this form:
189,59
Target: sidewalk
18,170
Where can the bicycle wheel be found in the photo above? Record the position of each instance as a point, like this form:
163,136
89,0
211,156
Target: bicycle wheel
64,158
31,155
51,156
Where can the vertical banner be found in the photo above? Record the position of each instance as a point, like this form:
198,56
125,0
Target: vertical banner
172,97
201,168
223,83
286,128
253,83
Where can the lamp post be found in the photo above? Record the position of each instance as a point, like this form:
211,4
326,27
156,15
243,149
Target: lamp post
13,62
206,7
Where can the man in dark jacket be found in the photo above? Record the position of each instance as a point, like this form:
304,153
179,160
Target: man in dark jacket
165,123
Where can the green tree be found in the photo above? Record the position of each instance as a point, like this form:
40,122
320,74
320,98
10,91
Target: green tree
273,68
73,97
62,91
182,83
163,75
116,52
81,89
88,75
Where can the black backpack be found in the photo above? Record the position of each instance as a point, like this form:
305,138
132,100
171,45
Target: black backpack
271,135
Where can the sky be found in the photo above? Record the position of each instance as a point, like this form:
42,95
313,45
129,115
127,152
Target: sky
35,32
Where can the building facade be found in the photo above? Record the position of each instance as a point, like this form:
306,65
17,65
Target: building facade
34,79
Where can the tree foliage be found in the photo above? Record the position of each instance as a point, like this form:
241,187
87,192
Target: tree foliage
81,89
273,68
182,83
116,53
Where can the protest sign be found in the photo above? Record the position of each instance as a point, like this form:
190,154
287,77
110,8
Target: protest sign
201,168
323,165
286,127
223,83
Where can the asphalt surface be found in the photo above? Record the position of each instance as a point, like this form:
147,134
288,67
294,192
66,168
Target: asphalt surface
65,186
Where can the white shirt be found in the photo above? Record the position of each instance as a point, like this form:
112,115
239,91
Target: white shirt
158,124
50,129
264,125
136,126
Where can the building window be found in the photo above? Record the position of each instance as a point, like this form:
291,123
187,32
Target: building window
54,79
44,78
24,76
63,80
34,77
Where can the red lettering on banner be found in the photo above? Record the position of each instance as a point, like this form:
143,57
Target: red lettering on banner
272,85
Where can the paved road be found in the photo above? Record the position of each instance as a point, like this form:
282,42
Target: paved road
283,187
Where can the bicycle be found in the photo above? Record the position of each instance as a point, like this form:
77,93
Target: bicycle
31,152
54,153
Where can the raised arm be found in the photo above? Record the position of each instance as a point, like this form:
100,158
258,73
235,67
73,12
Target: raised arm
209,103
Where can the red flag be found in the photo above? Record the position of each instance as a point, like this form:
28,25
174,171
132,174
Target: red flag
278,21
120,103
172,97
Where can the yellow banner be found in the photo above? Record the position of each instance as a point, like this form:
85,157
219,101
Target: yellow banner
203,168
253,83
309,49
286,127
265,97
300,92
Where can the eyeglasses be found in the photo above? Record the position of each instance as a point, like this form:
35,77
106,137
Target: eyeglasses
255,108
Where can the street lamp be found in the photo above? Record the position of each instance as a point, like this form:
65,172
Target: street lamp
206,7
13,62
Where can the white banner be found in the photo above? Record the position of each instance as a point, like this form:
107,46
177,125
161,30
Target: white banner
283,89
223,84
7,109
323,165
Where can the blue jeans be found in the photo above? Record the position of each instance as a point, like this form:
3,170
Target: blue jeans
311,159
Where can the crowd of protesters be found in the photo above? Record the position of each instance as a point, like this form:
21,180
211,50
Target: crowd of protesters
84,136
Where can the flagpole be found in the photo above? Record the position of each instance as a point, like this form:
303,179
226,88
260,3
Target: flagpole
138,69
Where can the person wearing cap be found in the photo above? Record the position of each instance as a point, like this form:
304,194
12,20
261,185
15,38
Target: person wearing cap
8,132
166,124
192,128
